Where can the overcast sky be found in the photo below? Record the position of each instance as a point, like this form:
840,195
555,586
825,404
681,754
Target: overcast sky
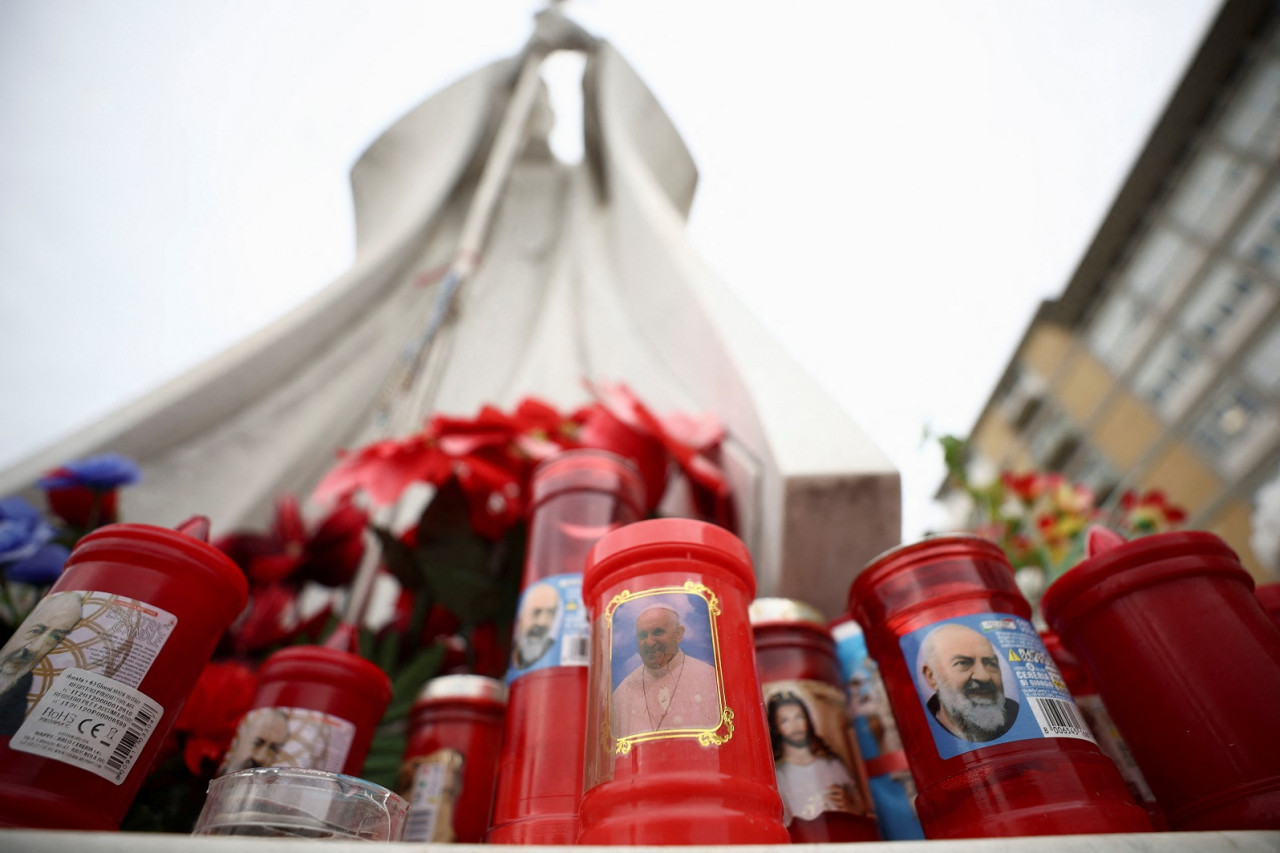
891,187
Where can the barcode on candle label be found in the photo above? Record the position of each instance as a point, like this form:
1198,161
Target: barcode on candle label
1060,718
576,651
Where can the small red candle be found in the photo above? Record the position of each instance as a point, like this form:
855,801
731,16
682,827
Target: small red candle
995,742
678,748
820,773
93,680
451,759
1188,663
315,708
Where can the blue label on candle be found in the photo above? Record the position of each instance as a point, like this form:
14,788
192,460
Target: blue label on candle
986,679
551,626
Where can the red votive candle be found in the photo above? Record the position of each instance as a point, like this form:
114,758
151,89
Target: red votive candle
92,680
1110,741
315,708
1188,663
820,773
577,497
451,759
996,744
678,749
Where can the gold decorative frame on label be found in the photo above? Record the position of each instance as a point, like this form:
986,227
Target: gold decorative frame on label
706,736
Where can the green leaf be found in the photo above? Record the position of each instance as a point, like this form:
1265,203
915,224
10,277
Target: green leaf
399,559
467,591
406,683
386,651
447,516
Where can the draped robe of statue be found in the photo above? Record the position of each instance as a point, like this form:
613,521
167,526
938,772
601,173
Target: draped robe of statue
585,272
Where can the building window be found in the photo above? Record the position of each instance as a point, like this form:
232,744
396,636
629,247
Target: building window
1171,376
1253,121
1120,331
1020,399
1235,429
1225,308
1259,240
1262,365
1161,268
1213,192
1053,431
1091,469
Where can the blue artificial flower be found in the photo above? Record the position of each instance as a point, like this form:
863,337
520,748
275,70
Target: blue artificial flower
40,569
100,473
22,530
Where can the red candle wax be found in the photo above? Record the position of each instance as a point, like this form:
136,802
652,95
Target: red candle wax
451,758
678,748
315,708
820,773
994,739
92,681
577,497
1188,663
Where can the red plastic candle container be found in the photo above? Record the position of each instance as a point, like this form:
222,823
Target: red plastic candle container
996,743
820,773
111,654
1110,741
1269,595
1188,663
314,708
451,759
678,749
577,497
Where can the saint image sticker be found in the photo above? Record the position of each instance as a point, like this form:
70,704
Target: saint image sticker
663,663
290,737
987,678
551,627
817,769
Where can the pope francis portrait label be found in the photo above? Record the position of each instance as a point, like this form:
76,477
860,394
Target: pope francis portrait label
666,680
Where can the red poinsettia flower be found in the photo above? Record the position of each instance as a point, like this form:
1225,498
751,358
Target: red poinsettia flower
383,469
602,429
207,722
493,456
333,552
274,618
693,443
329,555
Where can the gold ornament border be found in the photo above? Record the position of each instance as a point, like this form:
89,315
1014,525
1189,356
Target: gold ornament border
714,736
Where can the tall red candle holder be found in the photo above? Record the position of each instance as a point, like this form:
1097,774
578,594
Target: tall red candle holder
577,497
